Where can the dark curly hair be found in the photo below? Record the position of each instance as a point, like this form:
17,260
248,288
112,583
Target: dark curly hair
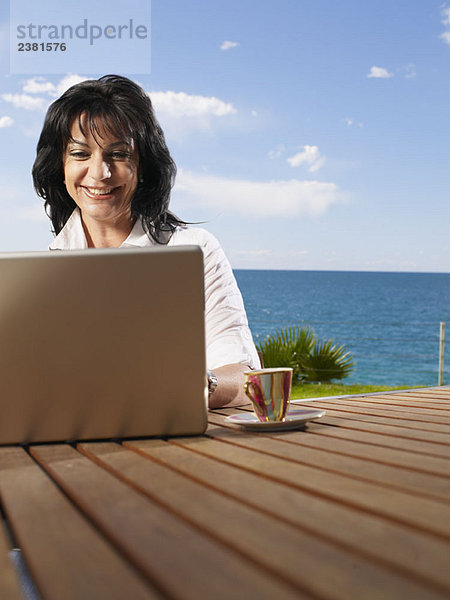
120,107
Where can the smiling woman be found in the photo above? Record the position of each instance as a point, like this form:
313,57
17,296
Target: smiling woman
93,117
101,175
105,173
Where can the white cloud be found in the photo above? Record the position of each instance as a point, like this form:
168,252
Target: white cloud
180,104
410,71
310,155
280,149
256,198
379,73
226,45
171,105
352,123
445,12
66,82
25,101
38,85
6,121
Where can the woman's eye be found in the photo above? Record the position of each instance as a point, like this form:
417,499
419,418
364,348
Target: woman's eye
120,155
78,154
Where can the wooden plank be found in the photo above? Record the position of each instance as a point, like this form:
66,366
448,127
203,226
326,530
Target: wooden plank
374,442
284,445
435,441
389,411
404,403
439,440
411,552
297,556
438,390
441,393
65,555
388,408
421,513
424,399
386,416
354,415
182,561
373,450
398,397
9,584
409,445
387,456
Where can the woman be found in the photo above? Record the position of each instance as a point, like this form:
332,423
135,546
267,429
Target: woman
105,173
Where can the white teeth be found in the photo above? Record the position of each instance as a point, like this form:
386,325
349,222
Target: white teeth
100,192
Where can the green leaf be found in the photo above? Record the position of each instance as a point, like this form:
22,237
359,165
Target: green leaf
311,360
327,362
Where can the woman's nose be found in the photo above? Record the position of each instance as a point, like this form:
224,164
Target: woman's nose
99,169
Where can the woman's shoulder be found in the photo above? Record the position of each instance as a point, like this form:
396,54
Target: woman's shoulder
214,256
194,235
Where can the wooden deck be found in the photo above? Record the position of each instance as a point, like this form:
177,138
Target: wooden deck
356,506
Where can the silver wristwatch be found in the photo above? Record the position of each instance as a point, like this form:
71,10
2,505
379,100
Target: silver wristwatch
212,383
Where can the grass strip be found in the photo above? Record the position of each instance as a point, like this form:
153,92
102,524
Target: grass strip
316,390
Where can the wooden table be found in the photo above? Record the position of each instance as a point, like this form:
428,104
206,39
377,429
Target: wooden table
357,506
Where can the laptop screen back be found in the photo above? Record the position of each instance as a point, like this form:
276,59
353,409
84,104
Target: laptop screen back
102,344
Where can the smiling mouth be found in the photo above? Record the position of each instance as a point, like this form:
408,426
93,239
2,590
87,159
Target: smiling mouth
100,191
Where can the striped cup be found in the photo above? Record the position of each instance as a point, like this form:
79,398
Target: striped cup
270,391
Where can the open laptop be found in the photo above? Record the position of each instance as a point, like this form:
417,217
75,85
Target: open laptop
102,344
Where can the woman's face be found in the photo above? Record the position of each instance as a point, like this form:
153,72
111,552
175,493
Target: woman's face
101,179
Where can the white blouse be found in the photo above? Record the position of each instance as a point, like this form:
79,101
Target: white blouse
228,337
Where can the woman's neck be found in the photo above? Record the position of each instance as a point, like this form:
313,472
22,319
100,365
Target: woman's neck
106,235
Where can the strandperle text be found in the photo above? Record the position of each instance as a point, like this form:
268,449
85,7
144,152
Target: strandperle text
83,31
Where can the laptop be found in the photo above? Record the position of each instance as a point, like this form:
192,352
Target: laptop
102,343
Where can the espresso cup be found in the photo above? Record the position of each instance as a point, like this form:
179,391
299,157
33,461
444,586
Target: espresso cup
270,391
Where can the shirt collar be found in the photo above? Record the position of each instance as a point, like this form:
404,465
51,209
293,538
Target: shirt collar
71,236
137,238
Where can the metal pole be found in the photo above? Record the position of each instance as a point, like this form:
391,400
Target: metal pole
441,354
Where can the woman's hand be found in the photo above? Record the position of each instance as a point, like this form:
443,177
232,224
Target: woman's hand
230,387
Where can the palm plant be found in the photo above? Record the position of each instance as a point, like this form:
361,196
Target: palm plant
326,362
310,359
287,348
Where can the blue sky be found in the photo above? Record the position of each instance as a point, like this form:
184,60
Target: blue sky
308,134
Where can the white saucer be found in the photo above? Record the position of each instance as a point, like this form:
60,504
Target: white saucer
294,419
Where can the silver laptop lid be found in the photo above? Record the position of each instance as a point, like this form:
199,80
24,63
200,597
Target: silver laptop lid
102,344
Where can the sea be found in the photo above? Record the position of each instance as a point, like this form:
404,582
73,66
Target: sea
390,322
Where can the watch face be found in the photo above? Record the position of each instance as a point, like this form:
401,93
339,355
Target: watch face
212,383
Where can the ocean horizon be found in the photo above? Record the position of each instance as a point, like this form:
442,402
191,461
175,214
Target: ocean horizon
348,271
388,320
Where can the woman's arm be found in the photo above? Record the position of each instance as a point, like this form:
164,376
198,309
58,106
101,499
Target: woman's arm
230,387
230,350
